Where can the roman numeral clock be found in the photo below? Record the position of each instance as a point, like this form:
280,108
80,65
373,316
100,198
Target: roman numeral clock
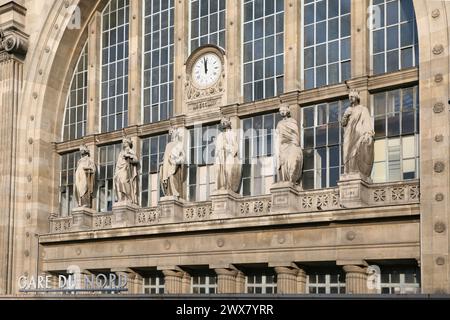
205,78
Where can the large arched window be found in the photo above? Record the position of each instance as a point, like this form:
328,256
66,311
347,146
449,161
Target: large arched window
325,33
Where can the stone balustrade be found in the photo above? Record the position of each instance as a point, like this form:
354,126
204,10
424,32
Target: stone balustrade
310,201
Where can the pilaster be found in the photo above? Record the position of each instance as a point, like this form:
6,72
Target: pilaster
173,281
135,65
292,45
287,282
94,74
226,280
181,54
233,52
13,49
356,279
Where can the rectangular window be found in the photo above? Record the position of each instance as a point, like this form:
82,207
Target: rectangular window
114,87
261,282
158,63
203,284
322,140
76,105
257,150
154,284
326,281
394,36
263,49
207,23
396,115
152,157
201,174
327,42
400,280
105,181
67,181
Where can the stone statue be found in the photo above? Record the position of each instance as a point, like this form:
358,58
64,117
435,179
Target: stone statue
228,165
126,176
358,138
84,179
289,154
172,173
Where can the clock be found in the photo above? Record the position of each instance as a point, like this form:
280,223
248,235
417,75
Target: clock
206,70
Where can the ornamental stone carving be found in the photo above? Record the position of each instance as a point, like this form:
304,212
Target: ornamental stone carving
172,171
228,165
12,42
438,49
126,176
85,179
289,154
438,108
358,138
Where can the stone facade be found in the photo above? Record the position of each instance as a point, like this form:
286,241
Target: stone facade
290,231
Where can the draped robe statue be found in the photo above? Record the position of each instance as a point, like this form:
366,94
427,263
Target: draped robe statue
126,176
172,172
84,179
358,138
289,153
228,165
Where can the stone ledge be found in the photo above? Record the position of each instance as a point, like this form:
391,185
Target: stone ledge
336,216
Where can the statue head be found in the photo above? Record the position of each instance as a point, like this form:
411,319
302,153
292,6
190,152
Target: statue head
127,141
174,133
285,111
354,97
84,151
225,123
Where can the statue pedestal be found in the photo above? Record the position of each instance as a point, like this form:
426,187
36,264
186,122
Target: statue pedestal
284,198
354,190
83,218
225,204
171,209
124,214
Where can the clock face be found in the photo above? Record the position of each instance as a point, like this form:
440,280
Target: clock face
207,70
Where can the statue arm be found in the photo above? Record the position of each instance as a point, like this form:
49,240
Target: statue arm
346,117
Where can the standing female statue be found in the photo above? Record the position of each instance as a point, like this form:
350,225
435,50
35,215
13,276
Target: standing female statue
126,176
358,138
228,165
289,153
84,179
172,172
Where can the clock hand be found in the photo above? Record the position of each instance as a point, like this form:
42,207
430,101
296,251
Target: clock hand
205,64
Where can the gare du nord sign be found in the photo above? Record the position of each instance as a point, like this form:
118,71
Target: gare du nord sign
74,282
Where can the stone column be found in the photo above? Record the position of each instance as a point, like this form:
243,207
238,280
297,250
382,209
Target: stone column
356,279
134,280
292,45
226,280
233,50
173,281
13,49
286,280
240,283
186,283
301,282
135,63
